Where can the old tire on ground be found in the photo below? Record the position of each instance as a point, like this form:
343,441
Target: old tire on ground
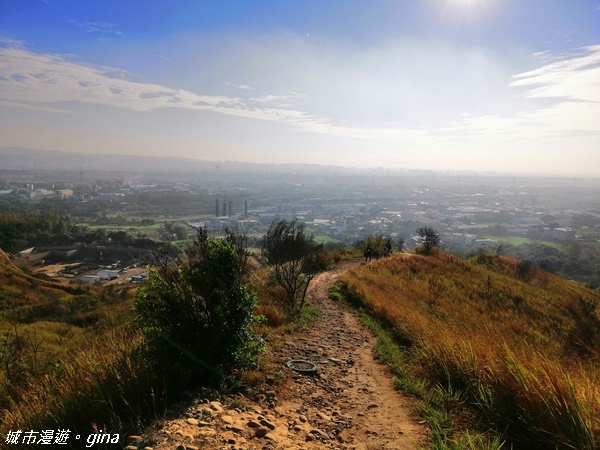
302,366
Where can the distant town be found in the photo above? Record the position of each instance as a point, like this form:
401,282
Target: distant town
471,212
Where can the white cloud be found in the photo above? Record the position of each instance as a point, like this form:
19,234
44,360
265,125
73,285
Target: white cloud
11,42
238,86
96,27
21,105
575,78
35,79
456,105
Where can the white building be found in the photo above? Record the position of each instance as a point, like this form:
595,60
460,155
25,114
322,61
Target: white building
459,238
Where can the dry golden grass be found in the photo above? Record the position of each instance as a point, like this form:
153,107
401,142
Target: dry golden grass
523,353
66,357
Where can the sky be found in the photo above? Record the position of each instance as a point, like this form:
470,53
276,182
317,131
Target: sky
507,86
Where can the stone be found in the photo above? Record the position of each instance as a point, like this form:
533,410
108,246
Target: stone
253,424
192,421
207,432
268,424
322,416
372,405
216,406
303,418
228,420
270,437
133,438
261,431
319,433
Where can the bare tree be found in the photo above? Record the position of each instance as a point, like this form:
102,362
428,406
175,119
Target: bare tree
400,244
430,238
296,259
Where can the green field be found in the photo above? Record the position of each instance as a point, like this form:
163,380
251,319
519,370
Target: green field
517,240
125,226
326,240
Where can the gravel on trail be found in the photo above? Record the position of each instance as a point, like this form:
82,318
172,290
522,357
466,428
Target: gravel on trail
349,403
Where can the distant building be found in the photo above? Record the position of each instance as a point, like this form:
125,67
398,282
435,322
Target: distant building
484,241
64,193
89,279
42,193
107,274
459,238
563,234
109,196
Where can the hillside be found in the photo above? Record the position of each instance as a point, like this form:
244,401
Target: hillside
514,345
25,299
20,289
40,321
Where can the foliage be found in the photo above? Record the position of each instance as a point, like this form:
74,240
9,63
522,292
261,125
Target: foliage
525,270
431,239
196,317
521,355
295,258
98,386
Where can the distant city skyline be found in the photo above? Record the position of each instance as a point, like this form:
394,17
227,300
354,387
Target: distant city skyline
510,86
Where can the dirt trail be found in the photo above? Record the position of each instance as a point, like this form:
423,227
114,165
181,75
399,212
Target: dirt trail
349,404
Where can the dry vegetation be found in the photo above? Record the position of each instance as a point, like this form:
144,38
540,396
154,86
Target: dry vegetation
517,346
65,357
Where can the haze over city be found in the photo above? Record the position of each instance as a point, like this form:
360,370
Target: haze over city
510,86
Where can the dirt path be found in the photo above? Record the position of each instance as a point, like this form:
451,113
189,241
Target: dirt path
349,404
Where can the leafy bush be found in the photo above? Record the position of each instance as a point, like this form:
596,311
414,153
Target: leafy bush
196,317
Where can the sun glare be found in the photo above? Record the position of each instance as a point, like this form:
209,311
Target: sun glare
467,9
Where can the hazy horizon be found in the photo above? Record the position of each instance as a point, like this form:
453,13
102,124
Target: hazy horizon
501,86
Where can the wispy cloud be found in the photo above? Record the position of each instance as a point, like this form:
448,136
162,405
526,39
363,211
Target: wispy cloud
572,84
574,78
31,79
238,86
37,107
4,41
96,27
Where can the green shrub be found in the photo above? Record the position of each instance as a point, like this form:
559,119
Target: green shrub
196,317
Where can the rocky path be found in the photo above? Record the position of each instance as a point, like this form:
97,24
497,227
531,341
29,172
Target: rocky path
348,404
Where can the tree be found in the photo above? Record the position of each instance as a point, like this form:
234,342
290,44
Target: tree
400,244
196,317
430,239
295,258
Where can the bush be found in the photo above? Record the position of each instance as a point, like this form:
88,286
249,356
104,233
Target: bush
296,259
196,317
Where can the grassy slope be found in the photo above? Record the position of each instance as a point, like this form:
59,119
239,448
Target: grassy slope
49,314
522,354
66,357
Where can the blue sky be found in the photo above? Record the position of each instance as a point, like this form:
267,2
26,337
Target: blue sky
480,85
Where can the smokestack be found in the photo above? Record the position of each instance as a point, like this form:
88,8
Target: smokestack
224,208
231,207
245,208
216,207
